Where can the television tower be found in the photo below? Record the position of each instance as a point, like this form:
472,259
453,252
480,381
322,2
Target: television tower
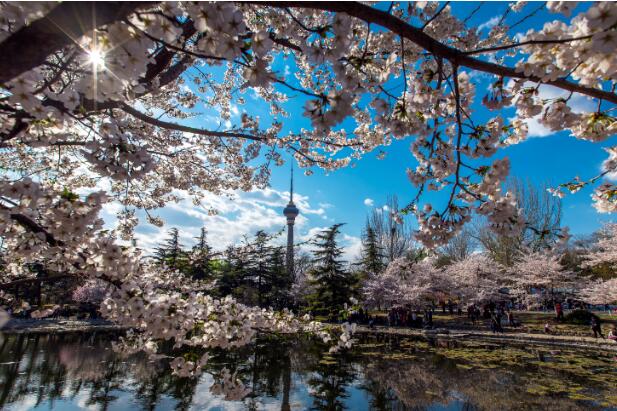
291,212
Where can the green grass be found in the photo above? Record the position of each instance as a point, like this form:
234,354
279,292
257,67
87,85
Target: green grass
531,322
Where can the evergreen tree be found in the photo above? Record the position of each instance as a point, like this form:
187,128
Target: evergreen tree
255,273
266,271
201,257
372,254
278,280
333,284
171,253
257,252
231,273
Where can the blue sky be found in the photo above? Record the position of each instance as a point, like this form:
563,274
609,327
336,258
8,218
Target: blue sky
341,196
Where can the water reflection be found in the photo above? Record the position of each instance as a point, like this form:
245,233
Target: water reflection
80,371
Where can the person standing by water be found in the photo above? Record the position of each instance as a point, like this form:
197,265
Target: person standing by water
496,323
559,311
510,318
595,328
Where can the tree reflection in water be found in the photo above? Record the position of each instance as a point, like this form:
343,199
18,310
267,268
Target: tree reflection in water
386,373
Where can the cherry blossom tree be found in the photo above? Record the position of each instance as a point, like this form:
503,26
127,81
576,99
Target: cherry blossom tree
95,106
477,278
93,292
542,271
604,251
407,282
599,292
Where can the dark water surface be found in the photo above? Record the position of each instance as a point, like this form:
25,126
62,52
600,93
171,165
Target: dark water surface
80,371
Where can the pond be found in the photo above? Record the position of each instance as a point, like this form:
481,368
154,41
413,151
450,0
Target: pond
81,371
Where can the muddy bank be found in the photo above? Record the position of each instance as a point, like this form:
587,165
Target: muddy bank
56,325
587,343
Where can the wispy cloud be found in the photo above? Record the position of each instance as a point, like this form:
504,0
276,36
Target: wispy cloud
578,103
239,214
368,202
489,24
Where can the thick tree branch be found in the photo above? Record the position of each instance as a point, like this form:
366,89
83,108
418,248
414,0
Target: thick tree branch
524,43
32,226
10,284
173,126
163,59
423,40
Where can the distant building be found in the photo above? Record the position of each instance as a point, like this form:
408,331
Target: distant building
291,212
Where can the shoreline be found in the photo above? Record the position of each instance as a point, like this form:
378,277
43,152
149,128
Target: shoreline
565,341
56,326
59,326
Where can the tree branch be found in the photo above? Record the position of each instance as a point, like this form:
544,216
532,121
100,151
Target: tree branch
21,281
32,226
173,126
423,40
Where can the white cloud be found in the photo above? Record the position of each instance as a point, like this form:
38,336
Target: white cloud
612,176
352,246
536,129
489,24
368,202
578,103
239,214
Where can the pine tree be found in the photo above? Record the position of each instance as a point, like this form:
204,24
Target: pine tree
333,284
201,257
372,254
278,280
257,253
171,253
266,271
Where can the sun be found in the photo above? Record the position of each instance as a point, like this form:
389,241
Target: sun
96,57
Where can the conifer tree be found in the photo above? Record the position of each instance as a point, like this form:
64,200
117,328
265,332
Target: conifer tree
201,257
170,252
278,280
230,276
372,254
333,283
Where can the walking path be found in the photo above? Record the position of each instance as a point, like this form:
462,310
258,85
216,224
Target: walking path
16,326
512,338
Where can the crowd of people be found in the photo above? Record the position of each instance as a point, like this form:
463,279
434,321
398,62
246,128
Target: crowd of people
495,315
407,317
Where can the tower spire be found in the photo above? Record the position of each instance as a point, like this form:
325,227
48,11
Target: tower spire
291,191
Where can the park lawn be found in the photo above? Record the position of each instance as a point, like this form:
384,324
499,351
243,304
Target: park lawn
532,322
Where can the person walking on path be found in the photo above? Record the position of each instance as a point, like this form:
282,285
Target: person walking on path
595,327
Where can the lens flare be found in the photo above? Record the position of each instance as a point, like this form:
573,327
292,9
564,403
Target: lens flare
96,57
